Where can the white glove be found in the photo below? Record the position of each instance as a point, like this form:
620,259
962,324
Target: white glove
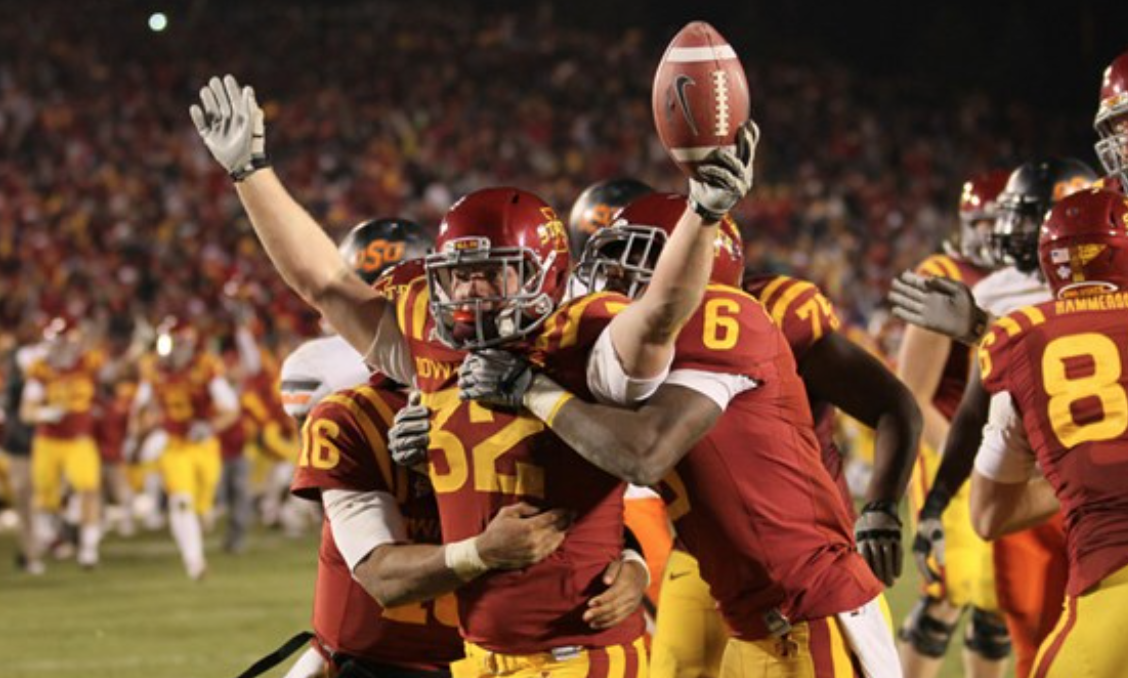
231,125
938,304
199,431
410,435
725,177
495,377
50,414
878,534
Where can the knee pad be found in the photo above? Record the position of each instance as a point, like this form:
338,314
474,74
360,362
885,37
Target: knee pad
926,634
987,635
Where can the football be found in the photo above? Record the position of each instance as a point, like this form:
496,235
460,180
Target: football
700,95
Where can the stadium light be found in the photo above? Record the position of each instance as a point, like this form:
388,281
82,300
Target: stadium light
158,22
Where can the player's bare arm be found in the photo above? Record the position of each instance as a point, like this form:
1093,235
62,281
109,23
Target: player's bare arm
832,370
999,508
920,366
643,335
517,537
231,125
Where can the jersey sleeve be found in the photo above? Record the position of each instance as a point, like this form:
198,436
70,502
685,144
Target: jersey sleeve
730,333
997,348
344,447
1004,455
940,266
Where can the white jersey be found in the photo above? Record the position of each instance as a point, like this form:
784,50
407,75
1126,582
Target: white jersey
1008,289
317,368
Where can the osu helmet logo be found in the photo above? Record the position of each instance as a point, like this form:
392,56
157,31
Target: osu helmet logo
1067,187
378,254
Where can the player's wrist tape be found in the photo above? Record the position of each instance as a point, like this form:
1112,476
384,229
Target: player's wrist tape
257,162
463,558
545,397
710,217
633,556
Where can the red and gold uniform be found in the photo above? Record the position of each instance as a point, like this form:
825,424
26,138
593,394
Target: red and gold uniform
1061,364
482,460
66,448
804,315
344,448
266,423
757,507
113,421
182,397
969,572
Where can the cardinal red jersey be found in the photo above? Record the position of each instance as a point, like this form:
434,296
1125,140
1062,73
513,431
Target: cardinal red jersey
804,314
753,501
953,379
113,420
344,448
261,402
1063,364
182,395
483,459
72,389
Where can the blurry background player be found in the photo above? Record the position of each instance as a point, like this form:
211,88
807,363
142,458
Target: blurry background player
1059,405
936,368
184,393
59,399
1111,124
17,358
1029,566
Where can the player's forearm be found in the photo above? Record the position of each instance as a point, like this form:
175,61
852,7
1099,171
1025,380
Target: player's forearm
645,332
964,437
397,574
896,442
936,426
999,509
300,249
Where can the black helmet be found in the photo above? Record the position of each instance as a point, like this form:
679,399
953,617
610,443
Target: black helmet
375,245
597,206
1031,191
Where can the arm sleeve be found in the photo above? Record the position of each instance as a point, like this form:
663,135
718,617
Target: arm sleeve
1004,455
719,387
222,394
33,392
361,521
249,353
389,352
609,383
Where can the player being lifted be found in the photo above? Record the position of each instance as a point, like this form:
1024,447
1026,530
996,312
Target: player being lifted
729,436
1058,402
499,272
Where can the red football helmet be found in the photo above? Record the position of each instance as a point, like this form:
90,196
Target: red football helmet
622,257
499,269
978,207
1084,244
1112,120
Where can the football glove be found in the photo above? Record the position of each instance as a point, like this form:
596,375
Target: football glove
725,177
410,435
495,377
928,545
199,431
878,534
938,304
231,124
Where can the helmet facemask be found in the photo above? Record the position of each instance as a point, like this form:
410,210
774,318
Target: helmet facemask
1112,149
519,306
1014,239
621,259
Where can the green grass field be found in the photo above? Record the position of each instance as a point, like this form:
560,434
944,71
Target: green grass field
138,615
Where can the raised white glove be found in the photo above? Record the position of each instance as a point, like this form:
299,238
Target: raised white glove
725,177
938,304
410,435
878,534
231,125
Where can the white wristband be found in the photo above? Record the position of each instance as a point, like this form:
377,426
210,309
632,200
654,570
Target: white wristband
545,397
462,557
632,556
